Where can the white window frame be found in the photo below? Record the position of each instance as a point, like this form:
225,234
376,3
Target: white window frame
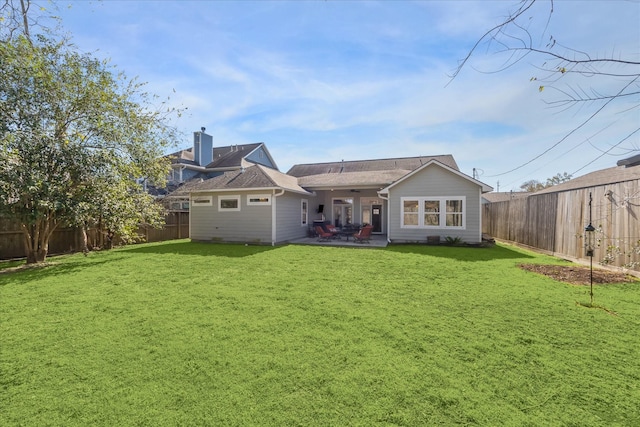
223,198
304,212
259,203
201,201
442,201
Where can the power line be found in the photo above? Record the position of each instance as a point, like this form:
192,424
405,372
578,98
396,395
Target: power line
570,133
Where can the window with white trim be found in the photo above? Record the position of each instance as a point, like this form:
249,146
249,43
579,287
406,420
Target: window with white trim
433,212
228,203
259,200
202,201
304,207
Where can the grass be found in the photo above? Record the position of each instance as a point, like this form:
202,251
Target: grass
180,333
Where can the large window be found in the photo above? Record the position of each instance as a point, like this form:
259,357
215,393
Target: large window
410,213
433,212
304,207
228,203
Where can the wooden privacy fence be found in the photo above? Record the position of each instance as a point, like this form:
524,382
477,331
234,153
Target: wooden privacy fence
555,222
66,240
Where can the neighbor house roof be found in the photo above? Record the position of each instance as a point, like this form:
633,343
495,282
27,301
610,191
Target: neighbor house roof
256,177
504,196
604,176
184,157
227,157
231,156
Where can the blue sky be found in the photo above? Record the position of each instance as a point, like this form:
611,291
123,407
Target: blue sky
331,80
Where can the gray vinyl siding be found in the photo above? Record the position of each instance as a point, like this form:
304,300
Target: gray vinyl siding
289,216
434,181
252,224
187,174
260,156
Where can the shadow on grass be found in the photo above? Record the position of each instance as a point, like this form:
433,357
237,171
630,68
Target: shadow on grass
26,273
183,247
461,253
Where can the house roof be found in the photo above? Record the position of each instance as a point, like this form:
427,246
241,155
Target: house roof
256,177
604,176
434,162
494,197
375,179
375,173
401,163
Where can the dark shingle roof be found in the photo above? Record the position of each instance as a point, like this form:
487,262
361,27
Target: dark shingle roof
353,179
253,177
231,155
403,163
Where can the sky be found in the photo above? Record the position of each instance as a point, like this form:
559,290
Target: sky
322,81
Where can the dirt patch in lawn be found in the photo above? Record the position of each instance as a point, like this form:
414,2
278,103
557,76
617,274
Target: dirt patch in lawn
579,275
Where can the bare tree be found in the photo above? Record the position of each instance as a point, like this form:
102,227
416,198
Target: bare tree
589,79
20,17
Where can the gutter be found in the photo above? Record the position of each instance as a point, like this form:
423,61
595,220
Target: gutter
386,199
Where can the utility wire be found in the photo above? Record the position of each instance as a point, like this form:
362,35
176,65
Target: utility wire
606,152
570,133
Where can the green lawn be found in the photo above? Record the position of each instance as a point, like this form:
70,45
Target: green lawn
179,333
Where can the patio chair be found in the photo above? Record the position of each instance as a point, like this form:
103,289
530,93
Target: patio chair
364,235
323,236
333,230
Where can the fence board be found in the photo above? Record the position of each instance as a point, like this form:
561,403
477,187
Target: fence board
555,222
66,240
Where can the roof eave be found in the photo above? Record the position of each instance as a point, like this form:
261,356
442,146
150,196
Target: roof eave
346,187
256,189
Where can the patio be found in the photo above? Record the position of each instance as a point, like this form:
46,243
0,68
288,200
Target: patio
377,241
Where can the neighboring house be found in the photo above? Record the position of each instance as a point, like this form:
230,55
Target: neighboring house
406,199
204,161
495,197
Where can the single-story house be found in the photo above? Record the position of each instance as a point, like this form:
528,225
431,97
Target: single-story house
410,199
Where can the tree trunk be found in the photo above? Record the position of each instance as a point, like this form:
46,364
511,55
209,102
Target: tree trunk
85,246
36,238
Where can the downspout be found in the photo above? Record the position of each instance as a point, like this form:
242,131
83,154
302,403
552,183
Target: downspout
481,210
273,216
386,199
190,217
